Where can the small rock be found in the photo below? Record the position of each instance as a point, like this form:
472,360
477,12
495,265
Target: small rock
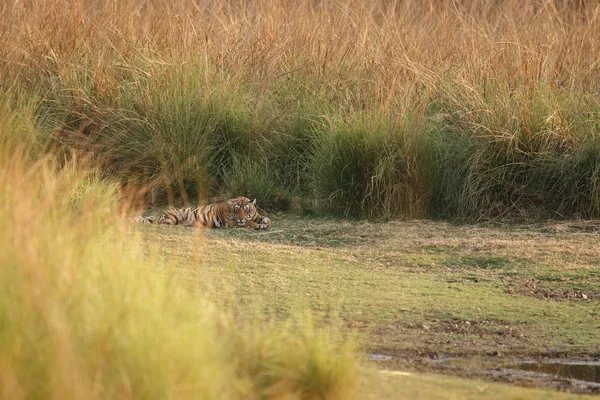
584,296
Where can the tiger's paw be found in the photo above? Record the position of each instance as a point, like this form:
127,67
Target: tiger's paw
265,222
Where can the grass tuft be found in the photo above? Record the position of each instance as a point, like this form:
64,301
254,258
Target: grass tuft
364,167
257,182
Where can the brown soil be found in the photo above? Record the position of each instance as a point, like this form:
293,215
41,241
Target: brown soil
536,288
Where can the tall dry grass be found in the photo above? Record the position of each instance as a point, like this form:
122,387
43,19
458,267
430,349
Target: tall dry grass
249,79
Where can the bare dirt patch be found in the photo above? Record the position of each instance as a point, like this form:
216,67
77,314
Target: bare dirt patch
536,288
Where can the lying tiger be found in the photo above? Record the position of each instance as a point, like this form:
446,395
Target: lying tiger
240,212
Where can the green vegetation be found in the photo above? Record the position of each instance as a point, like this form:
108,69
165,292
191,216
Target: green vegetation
369,109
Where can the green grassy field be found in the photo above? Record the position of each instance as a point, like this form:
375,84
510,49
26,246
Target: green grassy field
436,387
455,299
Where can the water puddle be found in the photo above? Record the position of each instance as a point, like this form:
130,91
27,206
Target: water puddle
588,371
574,375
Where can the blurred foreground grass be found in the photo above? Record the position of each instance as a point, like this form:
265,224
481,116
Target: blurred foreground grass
84,315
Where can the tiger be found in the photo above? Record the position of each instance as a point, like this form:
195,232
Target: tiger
240,212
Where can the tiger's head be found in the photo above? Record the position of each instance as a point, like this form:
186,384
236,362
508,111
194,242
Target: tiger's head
242,209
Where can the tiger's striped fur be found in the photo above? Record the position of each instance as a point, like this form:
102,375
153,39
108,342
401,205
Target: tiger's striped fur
239,211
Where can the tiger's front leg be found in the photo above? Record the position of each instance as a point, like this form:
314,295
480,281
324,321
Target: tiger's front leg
212,224
260,223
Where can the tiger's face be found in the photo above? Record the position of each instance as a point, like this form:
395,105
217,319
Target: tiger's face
242,209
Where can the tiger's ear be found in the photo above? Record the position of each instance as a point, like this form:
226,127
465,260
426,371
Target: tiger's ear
230,202
253,201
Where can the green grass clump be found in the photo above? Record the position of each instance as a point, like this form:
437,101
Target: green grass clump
364,167
491,155
172,135
254,181
21,127
570,183
84,314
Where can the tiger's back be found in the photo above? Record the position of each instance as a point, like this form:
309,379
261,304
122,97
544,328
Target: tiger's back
239,211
